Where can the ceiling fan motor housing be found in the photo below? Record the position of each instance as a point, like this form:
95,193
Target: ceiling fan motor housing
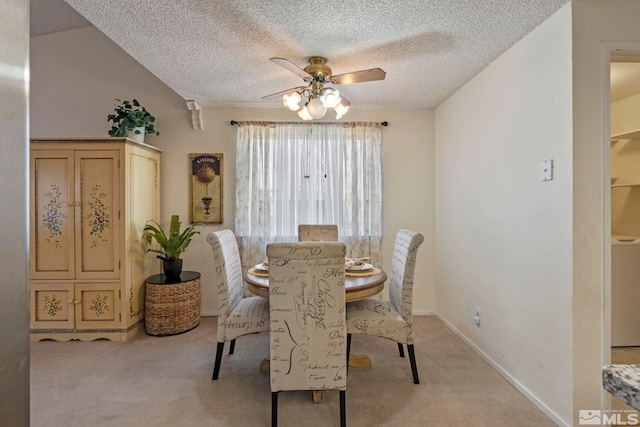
318,69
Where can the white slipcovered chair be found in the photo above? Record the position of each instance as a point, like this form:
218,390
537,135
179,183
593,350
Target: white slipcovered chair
391,319
237,316
308,332
317,232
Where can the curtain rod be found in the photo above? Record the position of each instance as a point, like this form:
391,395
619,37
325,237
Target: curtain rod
385,124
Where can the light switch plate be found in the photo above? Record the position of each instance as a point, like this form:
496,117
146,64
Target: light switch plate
546,170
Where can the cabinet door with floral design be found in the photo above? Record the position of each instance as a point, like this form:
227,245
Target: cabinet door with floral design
99,306
98,191
51,215
52,306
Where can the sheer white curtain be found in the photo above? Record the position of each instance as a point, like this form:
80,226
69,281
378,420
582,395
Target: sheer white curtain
301,173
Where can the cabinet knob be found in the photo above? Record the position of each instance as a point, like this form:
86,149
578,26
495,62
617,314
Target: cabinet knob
70,203
77,203
76,302
69,301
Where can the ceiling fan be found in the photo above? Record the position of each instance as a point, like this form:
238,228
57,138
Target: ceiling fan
318,96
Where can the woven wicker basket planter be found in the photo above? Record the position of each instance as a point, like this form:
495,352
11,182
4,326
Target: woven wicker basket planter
171,309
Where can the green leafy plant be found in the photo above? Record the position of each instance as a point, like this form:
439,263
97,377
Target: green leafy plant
130,115
173,244
208,198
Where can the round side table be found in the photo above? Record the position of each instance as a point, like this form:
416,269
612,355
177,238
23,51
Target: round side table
172,307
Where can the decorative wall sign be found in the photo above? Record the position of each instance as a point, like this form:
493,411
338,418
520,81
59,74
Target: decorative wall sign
205,196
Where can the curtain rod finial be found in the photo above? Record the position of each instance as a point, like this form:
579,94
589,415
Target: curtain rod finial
233,122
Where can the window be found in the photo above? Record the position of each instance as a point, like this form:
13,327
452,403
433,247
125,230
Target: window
299,173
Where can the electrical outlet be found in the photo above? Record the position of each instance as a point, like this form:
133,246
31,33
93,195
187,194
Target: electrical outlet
477,316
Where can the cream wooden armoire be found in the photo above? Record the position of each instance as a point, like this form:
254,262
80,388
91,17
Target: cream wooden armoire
89,201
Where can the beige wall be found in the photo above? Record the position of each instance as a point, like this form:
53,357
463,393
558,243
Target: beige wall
76,75
14,158
594,23
503,235
625,115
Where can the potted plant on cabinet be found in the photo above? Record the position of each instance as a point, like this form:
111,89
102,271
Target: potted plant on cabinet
131,120
172,245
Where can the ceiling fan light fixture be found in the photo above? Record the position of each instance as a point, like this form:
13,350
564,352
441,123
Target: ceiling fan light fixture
304,114
316,108
316,98
330,97
342,108
292,101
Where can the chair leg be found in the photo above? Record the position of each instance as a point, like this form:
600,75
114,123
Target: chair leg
348,350
232,346
414,368
216,365
401,349
274,409
343,408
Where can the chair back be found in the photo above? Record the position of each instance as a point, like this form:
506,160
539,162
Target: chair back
403,266
307,305
317,232
227,273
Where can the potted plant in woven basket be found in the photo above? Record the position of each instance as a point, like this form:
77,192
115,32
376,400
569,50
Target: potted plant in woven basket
172,245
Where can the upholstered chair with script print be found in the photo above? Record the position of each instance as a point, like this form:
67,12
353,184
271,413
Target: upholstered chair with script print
317,232
391,319
308,336
237,316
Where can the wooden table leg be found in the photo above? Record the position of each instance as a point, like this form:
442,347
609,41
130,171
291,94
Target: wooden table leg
359,361
317,396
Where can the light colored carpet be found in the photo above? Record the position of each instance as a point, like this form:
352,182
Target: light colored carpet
166,381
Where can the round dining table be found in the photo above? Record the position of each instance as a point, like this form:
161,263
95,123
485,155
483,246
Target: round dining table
357,285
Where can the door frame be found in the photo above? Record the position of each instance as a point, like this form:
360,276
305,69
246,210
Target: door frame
618,52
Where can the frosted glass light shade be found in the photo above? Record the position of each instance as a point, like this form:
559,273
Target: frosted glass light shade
330,97
342,108
316,108
304,114
292,101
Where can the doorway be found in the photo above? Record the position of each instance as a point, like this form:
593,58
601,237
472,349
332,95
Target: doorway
624,204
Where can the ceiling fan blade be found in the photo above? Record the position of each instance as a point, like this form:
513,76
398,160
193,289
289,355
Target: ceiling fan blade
359,76
285,63
282,92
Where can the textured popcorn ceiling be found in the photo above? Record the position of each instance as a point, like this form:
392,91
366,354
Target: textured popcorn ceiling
217,51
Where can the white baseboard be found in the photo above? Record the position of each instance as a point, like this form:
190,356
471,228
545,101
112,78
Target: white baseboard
424,313
544,408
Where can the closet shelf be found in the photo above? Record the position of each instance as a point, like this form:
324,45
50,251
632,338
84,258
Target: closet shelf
634,134
635,184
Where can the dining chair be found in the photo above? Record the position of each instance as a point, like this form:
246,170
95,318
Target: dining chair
391,319
308,348
237,316
317,232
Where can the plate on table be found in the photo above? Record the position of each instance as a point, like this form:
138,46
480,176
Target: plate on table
365,266
262,267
